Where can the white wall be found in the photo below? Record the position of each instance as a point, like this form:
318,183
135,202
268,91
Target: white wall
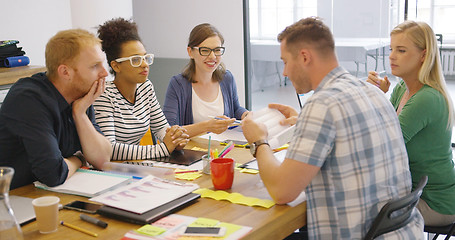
33,22
164,27
360,18
88,14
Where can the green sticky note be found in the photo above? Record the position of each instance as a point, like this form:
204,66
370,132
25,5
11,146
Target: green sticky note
204,222
151,230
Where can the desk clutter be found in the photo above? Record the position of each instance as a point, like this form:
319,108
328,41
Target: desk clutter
173,226
11,55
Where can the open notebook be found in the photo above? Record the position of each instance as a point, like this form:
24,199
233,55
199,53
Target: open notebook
88,183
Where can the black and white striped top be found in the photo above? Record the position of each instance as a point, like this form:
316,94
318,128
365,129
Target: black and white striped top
124,123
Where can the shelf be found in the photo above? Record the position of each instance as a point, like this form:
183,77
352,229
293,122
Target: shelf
11,75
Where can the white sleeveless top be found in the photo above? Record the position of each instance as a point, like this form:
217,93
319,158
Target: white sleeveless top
202,109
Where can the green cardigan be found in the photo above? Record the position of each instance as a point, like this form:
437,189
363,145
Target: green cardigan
423,123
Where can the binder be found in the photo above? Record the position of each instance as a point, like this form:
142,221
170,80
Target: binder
151,215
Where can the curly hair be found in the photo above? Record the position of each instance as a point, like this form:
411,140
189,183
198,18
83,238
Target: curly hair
113,34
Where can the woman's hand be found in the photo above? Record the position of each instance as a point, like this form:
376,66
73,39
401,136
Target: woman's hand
175,138
219,124
381,83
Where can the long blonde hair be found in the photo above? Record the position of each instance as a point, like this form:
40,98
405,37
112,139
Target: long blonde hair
430,73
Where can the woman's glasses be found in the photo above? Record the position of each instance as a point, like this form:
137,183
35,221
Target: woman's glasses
136,60
205,51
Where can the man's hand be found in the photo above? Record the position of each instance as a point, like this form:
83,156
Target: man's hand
81,105
252,130
290,113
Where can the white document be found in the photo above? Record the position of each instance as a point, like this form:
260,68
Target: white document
278,134
145,194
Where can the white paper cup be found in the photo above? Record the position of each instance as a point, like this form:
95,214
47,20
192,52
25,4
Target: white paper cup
46,211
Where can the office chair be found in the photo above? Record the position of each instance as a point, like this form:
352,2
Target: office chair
448,230
402,209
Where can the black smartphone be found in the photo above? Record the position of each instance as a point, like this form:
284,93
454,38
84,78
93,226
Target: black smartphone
205,231
81,206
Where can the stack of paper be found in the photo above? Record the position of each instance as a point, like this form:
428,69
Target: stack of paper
146,194
278,134
172,226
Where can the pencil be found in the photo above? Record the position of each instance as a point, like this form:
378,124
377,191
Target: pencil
79,229
189,171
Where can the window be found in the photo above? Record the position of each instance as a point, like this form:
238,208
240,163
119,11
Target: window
270,17
439,14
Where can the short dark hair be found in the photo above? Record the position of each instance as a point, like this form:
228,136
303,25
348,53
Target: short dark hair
311,31
197,36
113,34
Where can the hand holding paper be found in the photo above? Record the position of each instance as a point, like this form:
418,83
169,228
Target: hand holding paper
265,124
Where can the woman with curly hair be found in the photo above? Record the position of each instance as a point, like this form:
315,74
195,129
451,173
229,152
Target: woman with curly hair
129,107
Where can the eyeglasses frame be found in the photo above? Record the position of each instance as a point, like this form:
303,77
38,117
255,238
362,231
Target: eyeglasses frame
211,50
119,60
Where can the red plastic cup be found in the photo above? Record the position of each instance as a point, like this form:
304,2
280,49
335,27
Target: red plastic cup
222,170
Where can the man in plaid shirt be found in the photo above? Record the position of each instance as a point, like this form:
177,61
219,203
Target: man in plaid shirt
347,151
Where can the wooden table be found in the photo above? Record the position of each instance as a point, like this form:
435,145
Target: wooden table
276,222
11,75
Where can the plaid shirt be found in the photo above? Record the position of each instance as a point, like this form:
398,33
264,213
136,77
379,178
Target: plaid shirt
351,131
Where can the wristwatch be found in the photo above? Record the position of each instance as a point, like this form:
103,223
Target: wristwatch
255,145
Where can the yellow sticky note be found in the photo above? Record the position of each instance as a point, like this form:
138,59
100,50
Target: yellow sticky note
230,228
151,230
188,176
185,174
204,222
199,149
251,171
234,198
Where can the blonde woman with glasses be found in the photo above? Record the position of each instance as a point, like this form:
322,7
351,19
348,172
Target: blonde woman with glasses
203,98
425,111
129,107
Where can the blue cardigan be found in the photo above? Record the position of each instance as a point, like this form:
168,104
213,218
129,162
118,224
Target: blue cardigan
178,103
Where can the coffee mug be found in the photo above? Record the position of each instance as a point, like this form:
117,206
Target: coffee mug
222,170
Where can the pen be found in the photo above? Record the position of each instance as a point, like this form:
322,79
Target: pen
93,220
189,171
236,122
79,229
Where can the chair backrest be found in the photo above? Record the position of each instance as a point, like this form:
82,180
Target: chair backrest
439,38
397,212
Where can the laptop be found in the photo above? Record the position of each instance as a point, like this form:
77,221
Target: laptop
22,208
183,157
152,215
